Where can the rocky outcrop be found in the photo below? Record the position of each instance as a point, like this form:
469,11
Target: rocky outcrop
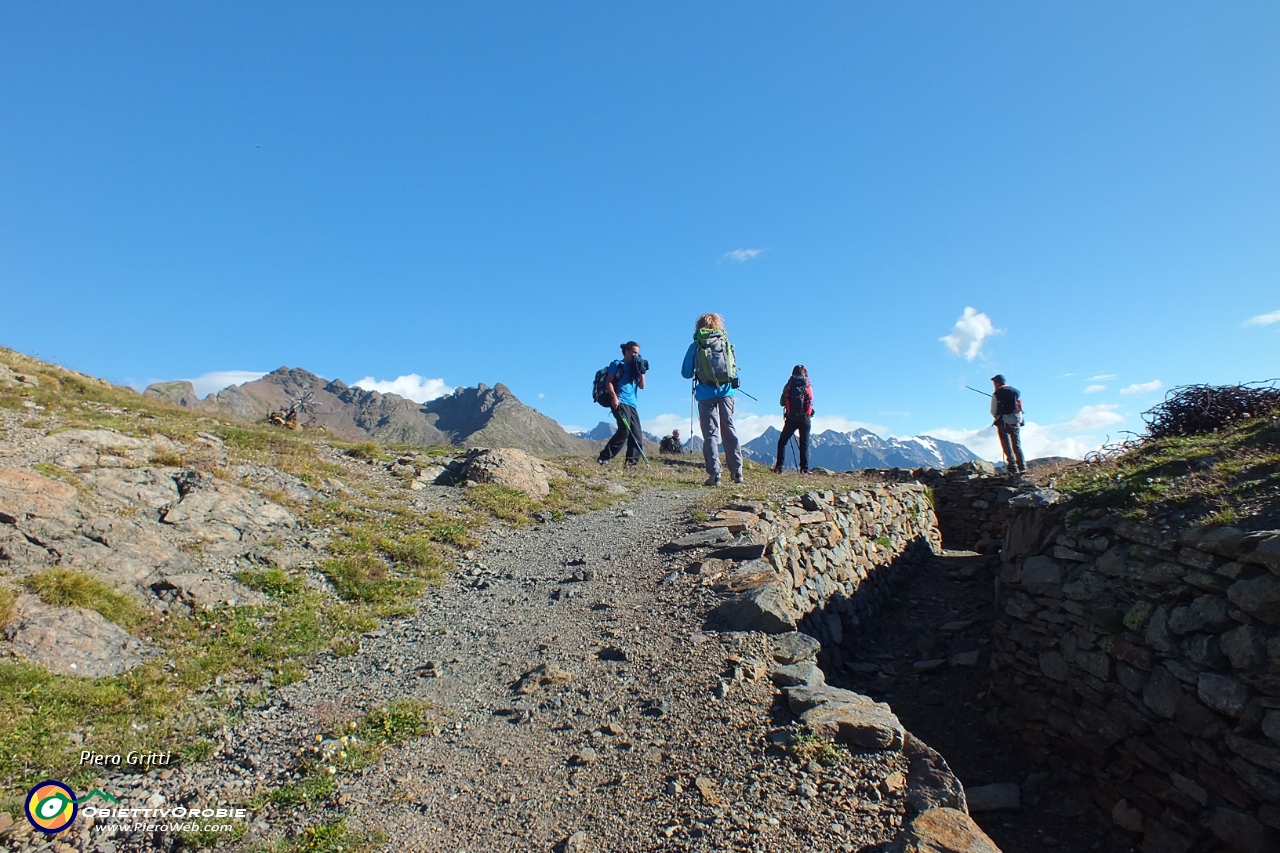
469,417
1148,658
71,641
166,536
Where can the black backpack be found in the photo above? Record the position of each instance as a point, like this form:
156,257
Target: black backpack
600,387
1006,400
798,397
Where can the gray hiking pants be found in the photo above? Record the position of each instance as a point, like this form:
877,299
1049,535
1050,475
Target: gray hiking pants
1011,445
716,419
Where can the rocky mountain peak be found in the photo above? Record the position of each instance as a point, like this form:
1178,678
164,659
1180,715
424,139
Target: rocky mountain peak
481,416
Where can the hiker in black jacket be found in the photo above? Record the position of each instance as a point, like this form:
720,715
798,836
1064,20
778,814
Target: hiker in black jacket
797,402
1006,408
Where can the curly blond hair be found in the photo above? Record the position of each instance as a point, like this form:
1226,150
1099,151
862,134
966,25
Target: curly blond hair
710,321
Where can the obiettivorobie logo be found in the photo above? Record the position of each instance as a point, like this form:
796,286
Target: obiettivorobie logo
51,806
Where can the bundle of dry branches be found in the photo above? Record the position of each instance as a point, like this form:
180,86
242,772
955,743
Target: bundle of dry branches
1200,409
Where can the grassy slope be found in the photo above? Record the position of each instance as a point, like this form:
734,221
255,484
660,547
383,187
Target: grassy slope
1227,477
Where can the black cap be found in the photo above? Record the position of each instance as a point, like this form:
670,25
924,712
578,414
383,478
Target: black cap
999,377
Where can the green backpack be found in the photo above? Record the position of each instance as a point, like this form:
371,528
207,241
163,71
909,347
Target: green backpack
713,363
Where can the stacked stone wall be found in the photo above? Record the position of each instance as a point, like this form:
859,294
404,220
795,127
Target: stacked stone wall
1149,659
971,502
826,558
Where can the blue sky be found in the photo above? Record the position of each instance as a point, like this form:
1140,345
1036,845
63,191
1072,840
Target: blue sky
503,192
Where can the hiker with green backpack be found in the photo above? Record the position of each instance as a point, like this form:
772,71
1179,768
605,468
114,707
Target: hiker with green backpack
710,360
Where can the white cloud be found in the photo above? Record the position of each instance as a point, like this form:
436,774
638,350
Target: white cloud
1094,389
1102,377
663,424
968,334
1264,319
737,256
1073,438
542,396
1038,440
208,383
411,387
571,429
1142,388
1094,417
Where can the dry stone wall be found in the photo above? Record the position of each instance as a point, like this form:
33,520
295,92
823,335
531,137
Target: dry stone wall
971,501
823,559
817,563
1148,658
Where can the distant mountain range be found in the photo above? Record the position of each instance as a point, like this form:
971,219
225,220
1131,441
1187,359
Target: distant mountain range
469,417
605,430
853,451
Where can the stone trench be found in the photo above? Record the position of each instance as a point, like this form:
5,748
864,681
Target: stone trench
905,623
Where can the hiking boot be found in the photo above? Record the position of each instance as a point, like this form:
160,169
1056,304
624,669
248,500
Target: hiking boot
737,478
713,480
600,461
777,469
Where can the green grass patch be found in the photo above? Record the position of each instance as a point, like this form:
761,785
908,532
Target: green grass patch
275,582
395,723
7,609
330,837
70,588
807,746
502,502
367,578
367,450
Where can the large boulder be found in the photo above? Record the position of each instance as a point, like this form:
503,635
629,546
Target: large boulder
943,830
514,468
848,717
767,607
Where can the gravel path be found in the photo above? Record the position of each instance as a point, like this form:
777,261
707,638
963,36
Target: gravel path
654,735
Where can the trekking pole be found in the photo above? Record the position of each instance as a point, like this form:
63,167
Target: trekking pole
795,459
632,434
976,391
744,392
692,386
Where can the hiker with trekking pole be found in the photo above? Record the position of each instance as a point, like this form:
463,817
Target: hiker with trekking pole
617,387
710,363
797,403
1006,410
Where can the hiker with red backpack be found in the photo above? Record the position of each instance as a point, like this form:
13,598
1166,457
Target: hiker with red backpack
797,402
710,361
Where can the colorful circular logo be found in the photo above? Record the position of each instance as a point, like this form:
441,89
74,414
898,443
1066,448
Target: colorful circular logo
51,806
